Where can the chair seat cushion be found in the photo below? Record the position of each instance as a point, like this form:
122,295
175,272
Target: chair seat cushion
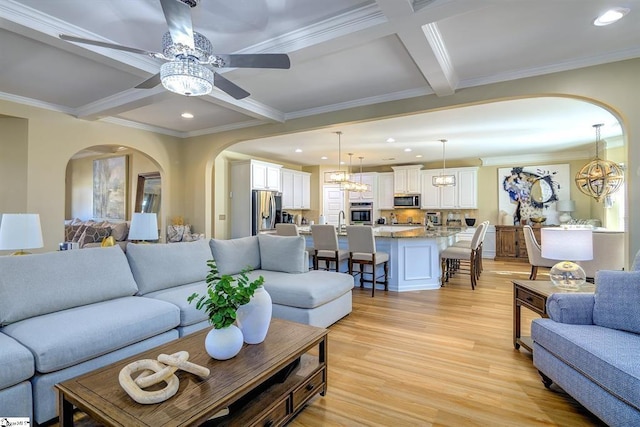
380,257
462,244
342,254
453,252
66,338
612,363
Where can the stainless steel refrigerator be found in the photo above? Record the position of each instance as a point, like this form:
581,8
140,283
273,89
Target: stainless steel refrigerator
266,210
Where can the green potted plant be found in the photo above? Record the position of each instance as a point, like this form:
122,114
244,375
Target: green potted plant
225,294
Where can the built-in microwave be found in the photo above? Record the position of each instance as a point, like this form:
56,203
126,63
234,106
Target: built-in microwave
406,201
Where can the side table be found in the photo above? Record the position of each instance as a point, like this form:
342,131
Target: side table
533,295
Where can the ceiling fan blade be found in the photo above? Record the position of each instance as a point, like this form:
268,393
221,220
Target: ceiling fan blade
150,83
256,60
178,17
227,86
104,44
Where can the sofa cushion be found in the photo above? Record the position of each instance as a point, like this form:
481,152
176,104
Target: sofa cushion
608,357
307,290
234,255
44,283
162,266
178,295
63,339
16,362
283,253
617,299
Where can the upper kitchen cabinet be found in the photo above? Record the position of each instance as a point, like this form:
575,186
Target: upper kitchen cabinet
406,179
296,189
371,180
265,176
463,195
385,191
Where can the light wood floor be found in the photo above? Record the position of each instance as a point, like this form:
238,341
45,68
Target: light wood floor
436,358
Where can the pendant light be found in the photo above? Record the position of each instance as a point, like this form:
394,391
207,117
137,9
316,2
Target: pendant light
339,176
443,180
349,185
599,178
360,186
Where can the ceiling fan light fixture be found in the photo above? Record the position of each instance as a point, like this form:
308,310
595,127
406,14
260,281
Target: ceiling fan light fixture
186,77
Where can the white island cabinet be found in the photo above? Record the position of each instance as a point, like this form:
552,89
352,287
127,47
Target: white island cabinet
414,255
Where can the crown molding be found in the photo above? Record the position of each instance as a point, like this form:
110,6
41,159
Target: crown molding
535,158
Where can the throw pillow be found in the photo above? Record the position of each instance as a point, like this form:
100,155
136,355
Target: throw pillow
93,234
120,231
234,255
282,253
78,233
617,299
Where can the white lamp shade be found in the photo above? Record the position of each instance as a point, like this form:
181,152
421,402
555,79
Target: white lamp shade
144,226
570,244
20,231
565,205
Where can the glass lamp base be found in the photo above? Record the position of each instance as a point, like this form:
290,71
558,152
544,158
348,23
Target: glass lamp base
568,276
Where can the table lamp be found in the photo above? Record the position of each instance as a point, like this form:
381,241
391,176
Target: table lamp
566,243
144,227
566,207
19,232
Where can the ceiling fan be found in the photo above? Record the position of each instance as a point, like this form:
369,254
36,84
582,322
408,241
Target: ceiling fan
189,56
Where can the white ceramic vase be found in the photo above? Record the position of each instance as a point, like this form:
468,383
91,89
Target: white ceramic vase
254,318
225,343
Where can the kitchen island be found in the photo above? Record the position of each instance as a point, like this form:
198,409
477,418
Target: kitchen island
414,253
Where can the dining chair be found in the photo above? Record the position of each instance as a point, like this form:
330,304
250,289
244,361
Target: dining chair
362,251
325,247
534,252
453,258
285,229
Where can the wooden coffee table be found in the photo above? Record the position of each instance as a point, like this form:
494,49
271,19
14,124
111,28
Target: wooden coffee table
266,383
533,295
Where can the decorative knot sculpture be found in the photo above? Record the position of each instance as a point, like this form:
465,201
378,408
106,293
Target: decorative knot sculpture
155,372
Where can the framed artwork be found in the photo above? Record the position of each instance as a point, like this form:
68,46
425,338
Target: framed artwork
110,188
529,191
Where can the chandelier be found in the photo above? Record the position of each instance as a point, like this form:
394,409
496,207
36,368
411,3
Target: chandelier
185,75
443,180
339,176
599,178
360,187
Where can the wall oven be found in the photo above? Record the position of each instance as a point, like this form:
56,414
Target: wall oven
406,201
361,213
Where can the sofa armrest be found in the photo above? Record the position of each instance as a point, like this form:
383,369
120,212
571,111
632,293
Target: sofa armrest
575,308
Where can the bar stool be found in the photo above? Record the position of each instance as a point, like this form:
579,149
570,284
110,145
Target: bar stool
452,257
362,251
325,245
284,229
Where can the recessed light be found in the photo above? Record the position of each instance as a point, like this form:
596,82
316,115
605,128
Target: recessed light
323,158
418,155
611,16
298,150
186,115
391,140
407,150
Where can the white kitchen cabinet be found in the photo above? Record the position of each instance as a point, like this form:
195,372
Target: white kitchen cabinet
368,178
463,195
385,191
296,189
265,176
406,179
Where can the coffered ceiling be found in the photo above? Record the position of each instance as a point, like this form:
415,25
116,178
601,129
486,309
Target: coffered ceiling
344,53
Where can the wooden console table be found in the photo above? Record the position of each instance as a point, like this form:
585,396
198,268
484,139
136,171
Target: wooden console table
510,245
533,295
265,384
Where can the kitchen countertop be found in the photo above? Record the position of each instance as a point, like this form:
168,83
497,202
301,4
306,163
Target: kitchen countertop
402,231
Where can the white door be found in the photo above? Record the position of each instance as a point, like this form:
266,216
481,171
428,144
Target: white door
333,203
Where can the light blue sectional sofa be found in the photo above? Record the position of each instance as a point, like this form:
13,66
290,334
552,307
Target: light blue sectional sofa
66,313
590,346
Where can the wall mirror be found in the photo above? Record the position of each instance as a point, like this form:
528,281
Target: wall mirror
148,192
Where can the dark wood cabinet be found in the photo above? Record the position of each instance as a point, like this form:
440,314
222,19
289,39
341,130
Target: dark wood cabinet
510,245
